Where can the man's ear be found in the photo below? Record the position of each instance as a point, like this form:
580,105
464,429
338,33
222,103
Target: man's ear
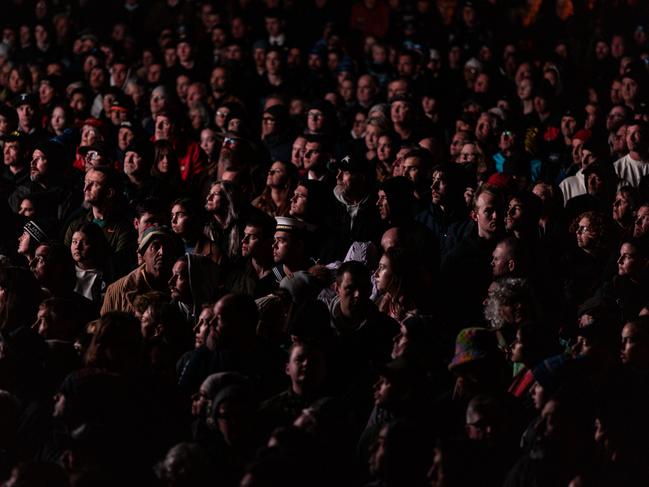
111,193
511,265
136,223
473,215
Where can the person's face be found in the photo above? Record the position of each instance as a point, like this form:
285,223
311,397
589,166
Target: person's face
162,128
364,90
273,62
621,208
157,101
208,141
481,84
23,244
89,135
468,154
201,403
27,208
253,242
353,295
299,202
383,206
500,261
400,112
315,120
615,117
586,238
80,247
40,264
179,282
577,144
124,138
538,396
384,392
203,326
619,141
629,90
184,52
283,247
595,185
438,187
182,85
94,188
273,26
486,214
517,349
313,156
635,346
383,274
297,151
483,128
133,164
630,263
515,215
568,126
25,115
346,90
616,92
214,199
412,169
305,367
159,258
58,120
11,152
641,225
45,93
634,138
457,143
372,136
38,166
44,321
16,82
360,125
397,87
277,177
384,149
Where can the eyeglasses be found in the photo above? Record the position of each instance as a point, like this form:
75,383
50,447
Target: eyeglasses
91,155
274,171
268,120
315,115
583,229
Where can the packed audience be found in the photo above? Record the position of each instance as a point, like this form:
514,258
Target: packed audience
309,243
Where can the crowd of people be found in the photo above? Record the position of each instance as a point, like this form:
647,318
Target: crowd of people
374,243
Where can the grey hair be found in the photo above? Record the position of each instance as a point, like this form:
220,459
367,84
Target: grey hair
507,290
186,464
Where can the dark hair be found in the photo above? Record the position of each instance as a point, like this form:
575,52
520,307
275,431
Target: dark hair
356,269
150,205
262,221
160,149
97,240
113,180
193,209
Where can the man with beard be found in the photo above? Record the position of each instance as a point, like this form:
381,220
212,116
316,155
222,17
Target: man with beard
356,209
46,180
101,194
159,250
635,164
